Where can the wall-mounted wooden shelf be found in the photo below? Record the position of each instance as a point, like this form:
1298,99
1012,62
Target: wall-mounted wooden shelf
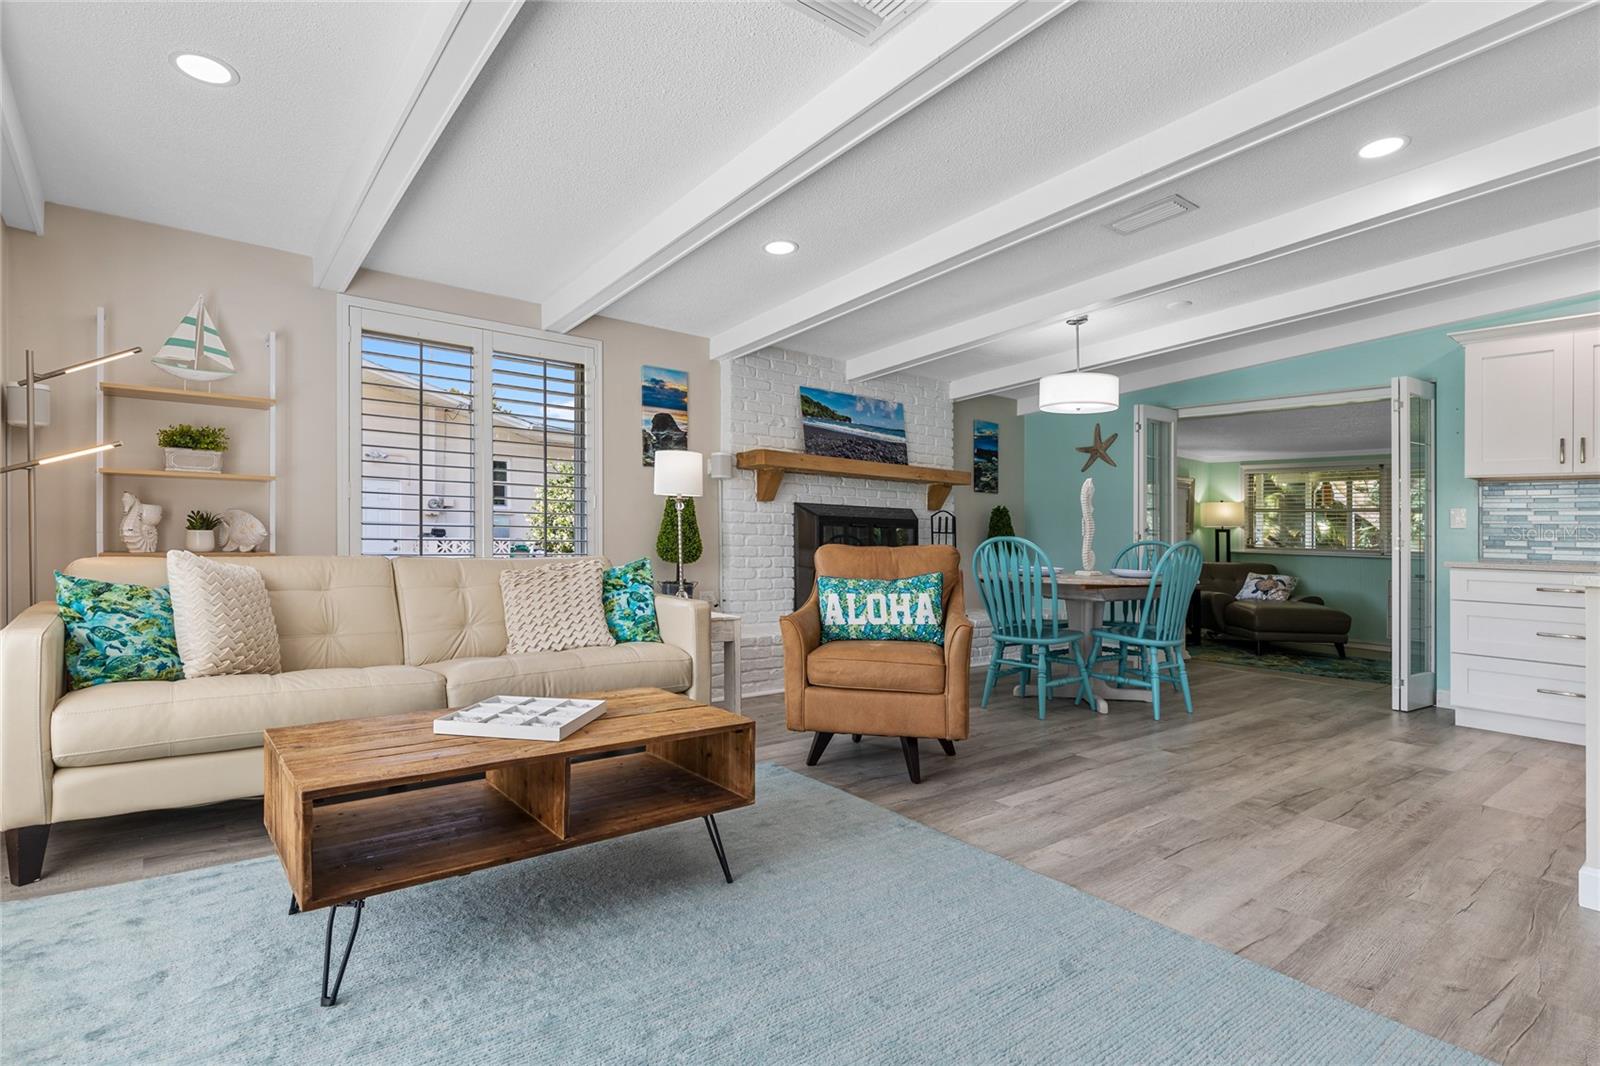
770,465
196,475
209,399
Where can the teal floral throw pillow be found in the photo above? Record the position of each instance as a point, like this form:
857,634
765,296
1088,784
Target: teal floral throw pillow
858,608
117,632
629,594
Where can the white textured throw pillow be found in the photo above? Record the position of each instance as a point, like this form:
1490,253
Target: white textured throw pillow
222,617
555,606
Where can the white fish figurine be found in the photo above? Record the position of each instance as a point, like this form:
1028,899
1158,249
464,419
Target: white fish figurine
139,523
241,531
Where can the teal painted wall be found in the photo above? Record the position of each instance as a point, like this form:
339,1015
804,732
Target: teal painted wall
1051,480
1355,585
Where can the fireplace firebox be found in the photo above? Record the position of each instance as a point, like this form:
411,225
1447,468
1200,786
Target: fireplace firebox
816,524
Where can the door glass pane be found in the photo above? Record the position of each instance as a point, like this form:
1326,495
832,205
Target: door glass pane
1420,623
1158,478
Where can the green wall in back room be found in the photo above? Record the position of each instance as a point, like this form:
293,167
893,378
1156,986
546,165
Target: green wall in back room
1356,585
1051,479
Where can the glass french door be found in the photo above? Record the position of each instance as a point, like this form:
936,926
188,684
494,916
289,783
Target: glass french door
1155,508
1412,562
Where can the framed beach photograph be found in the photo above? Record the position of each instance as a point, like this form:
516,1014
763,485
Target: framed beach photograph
985,456
664,417
846,426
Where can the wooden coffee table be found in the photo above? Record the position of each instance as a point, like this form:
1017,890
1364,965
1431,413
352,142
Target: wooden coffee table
369,805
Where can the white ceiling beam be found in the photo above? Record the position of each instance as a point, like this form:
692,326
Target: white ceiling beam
452,46
1513,160
939,44
1480,258
24,196
1412,45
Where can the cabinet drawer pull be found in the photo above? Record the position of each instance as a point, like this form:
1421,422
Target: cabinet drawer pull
1562,636
1562,459
1560,692
1583,449
1558,588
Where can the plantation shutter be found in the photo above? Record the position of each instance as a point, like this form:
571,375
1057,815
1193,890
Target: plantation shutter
417,434
1340,507
539,456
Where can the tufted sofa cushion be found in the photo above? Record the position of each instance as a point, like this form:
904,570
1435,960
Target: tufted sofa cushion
331,611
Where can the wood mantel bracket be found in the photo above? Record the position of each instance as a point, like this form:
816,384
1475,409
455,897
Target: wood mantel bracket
770,464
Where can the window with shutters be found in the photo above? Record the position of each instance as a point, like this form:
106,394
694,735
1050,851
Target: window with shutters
466,438
1338,508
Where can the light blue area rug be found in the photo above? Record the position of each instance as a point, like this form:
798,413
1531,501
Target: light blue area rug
850,935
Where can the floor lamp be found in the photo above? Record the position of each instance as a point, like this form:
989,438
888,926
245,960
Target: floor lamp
1223,516
31,463
680,474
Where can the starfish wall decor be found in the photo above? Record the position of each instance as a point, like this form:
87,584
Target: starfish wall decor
1100,449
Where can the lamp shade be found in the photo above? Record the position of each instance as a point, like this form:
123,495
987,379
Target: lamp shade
680,473
1222,514
1081,392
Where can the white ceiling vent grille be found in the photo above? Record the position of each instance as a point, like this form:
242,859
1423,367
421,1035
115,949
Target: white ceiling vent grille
1148,216
859,20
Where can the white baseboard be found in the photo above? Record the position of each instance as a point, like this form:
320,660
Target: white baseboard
1589,887
1441,698
1521,725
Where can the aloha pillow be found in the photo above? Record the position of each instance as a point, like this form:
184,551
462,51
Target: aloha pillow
629,594
859,608
117,632
1277,587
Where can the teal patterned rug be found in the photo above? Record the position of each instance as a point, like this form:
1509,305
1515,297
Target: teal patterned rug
849,935
1287,661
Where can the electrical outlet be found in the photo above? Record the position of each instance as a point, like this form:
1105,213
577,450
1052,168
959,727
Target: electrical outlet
1458,518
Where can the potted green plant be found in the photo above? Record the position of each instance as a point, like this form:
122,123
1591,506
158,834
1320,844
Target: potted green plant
193,448
667,543
200,531
1000,522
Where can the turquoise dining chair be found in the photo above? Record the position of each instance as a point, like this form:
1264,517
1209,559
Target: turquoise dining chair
1018,587
1140,555
1157,639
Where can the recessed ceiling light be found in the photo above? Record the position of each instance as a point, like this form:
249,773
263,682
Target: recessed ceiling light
204,68
782,247
1383,146
1179,305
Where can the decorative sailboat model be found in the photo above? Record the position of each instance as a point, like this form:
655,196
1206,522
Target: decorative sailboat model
195,351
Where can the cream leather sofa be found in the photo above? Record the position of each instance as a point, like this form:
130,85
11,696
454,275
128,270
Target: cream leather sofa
360,636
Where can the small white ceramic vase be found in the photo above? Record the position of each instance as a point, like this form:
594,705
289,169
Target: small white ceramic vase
200,540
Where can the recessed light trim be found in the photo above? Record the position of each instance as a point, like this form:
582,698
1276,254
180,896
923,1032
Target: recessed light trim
207,70
1383,146
781,247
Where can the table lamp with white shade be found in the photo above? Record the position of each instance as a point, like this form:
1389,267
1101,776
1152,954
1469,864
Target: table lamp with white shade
680,475
1222,515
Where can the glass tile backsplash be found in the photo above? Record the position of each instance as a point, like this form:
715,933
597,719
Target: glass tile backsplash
1539,521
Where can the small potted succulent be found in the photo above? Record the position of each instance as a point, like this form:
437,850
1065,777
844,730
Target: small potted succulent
193,448
200,531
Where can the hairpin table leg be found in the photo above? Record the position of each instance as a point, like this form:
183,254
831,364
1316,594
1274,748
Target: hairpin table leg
330,997
716,842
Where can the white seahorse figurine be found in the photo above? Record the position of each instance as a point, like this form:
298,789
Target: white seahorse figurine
139,523
241,531
1086,502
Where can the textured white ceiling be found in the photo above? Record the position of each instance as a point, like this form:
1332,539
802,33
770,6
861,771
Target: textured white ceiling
1092,78
1300,433
589,119
115,128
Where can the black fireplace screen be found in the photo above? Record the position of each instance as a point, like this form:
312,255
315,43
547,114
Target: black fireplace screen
819,524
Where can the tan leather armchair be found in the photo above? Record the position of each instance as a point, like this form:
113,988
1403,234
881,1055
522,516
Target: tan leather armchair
890,688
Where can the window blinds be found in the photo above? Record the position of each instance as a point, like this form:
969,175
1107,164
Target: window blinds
1338,507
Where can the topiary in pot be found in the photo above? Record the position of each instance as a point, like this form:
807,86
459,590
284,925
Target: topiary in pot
667,539
1000,523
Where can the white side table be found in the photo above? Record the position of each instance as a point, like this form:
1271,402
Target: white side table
725,631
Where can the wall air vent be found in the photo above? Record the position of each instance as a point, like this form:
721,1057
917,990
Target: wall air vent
1149,215
859,20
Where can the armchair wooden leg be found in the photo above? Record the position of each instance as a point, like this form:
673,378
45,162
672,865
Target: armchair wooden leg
913,759
949,746
819,744
25,853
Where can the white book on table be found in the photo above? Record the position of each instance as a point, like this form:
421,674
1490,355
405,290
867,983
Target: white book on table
520,718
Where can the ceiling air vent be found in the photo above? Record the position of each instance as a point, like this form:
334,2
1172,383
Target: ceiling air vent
859,20
1148,216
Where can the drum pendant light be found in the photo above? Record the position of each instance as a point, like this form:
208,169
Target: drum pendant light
1080,392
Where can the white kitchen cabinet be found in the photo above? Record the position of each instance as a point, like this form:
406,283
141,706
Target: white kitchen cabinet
1532,404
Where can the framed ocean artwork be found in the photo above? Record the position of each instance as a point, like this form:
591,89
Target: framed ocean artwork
664,406
985,456
846,426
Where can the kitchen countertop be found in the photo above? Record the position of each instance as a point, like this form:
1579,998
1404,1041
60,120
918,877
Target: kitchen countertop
1514,564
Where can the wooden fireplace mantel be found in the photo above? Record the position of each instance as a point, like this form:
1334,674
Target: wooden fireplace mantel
770,465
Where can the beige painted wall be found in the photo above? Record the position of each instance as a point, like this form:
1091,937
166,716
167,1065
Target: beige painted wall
972,508
147,276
